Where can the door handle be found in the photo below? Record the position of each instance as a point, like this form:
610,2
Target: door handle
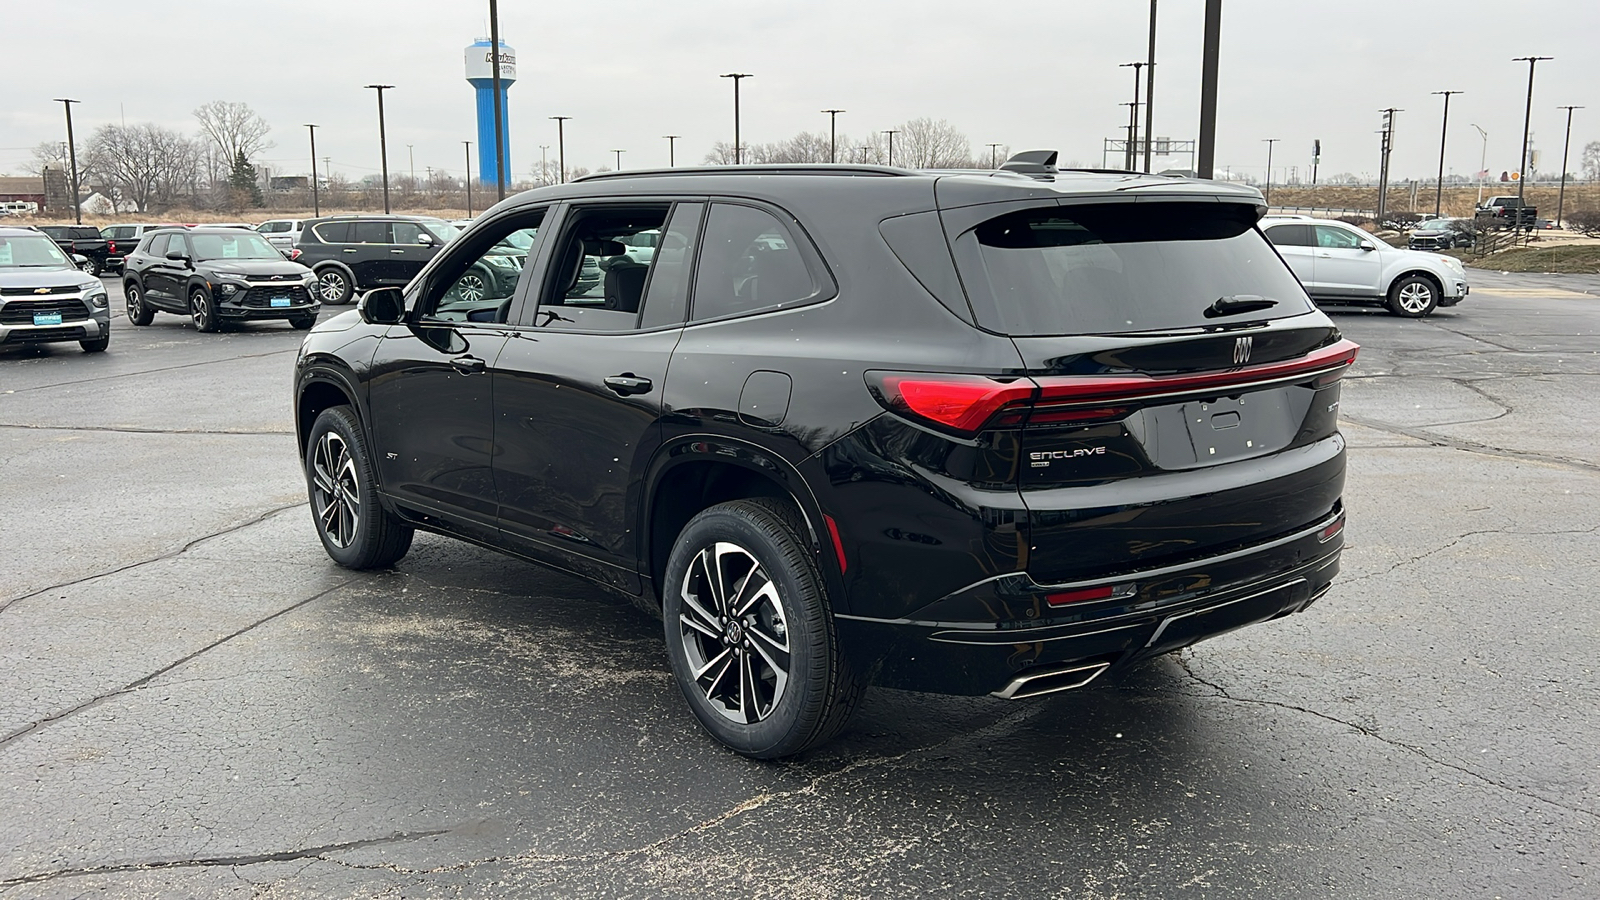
629,383
397,250
349,249
467,365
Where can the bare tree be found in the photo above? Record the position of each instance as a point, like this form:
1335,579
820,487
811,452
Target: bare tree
919,144
146,164
1591,161
234,128
48,155
932,144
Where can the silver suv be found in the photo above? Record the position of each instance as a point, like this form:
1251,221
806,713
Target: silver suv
282,233
1341,263
45,298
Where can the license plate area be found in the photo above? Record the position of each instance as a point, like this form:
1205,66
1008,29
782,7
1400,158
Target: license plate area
1216,430
51,318
279,302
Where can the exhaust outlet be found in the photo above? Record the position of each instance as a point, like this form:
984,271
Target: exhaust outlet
1051,680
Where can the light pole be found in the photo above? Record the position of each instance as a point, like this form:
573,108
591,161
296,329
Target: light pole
316,203
891,133
1483,161
619,158
411,156
833,134
994,158
1210,55
72,155
1438,192
1150,89
672,148
738,154
544,166
1566,146
1131,158
1527,119
1383,163
468,145
499,113
383,143
561,146
1267,194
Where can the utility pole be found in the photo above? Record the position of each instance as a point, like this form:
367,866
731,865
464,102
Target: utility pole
72,155
1208,89
1316,159
1483,162
411,155
833,134
1383,163
561,146
738,153
1150,89
1438,192
672,149
383,142
316,203
1561,198
619,158
468,145
1267,194
499,113
994,158
1130,159
544,166
891,133
1527,119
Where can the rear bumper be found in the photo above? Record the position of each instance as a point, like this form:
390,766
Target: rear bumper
997,635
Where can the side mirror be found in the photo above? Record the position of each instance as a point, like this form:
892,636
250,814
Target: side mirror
178,256
425,239
1368,246
382,306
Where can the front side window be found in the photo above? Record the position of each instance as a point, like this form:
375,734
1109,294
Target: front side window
749,262
406,232
370,233
595,283
479,281
1337,238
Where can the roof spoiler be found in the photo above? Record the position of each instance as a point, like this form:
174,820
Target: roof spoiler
1033,163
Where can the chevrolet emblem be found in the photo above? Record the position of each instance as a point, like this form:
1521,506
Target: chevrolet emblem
41,290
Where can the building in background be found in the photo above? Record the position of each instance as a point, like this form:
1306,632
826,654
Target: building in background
480,74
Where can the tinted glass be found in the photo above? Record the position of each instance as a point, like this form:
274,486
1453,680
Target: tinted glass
1119,268
667,294
1290,235
243,245
158,245
370,233
405,232
30,251
596,284
334,232
749,262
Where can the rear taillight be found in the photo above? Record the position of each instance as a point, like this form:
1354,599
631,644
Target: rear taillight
111,246
294,254
966,404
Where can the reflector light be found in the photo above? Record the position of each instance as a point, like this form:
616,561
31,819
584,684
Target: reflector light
838,545
1331,531
1065,598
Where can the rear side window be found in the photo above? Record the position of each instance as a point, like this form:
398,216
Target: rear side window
1290,235
749,262
370,233
1112,268
158,245
334,232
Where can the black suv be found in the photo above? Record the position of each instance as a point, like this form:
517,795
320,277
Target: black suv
358,253
216,275
976,433
45,298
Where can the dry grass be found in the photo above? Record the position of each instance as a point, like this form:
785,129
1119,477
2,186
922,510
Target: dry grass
1457,201
1571,260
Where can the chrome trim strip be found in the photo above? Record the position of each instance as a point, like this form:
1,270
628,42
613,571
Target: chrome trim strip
1009,692
1019,636
1160,629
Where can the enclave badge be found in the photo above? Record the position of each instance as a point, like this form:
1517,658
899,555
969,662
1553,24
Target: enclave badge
1241,350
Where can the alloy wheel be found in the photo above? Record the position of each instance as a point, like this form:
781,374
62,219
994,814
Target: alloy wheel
471,287
135,305
1416,297
200,311
335,490
331,285
734,633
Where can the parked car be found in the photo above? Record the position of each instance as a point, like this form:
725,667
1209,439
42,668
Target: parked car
121,239
1507,212
216,275
81,239
1442,234
994,433
45,297
357,253
1340,263
282,233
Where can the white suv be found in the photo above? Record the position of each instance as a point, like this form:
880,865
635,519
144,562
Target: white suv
281,233
1341,263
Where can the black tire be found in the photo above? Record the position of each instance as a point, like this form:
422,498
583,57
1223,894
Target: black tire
98,345
334,286
1413,297
139,313
302,323
782,712
90,266
202,311
356,531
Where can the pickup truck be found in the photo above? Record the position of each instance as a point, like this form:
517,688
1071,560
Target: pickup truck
84,240
1508,212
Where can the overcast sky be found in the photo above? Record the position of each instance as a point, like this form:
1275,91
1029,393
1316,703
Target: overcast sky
1031,75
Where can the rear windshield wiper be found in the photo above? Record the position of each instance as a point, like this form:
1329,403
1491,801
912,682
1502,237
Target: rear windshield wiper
1239,303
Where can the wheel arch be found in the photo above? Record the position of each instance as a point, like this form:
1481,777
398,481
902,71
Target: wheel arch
1438,283
321,390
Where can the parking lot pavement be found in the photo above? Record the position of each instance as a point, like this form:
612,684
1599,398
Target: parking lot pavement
197,703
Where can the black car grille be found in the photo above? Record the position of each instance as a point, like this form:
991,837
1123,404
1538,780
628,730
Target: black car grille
261,297
35,335
21,312
272,279
32,291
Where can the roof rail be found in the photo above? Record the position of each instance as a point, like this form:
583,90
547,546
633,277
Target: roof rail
775,169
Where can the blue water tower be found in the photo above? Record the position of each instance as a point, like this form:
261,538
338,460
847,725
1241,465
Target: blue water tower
480,74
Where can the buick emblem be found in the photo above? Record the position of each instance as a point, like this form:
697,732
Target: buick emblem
1241,350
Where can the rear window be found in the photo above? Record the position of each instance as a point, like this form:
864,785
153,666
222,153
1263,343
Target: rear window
1111,268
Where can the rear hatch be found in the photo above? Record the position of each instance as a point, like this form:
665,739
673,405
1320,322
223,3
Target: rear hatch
1180,392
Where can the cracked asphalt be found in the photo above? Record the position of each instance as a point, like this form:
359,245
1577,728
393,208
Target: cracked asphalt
194,702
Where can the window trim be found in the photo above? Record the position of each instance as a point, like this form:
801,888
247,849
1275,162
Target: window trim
815,263
428,278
